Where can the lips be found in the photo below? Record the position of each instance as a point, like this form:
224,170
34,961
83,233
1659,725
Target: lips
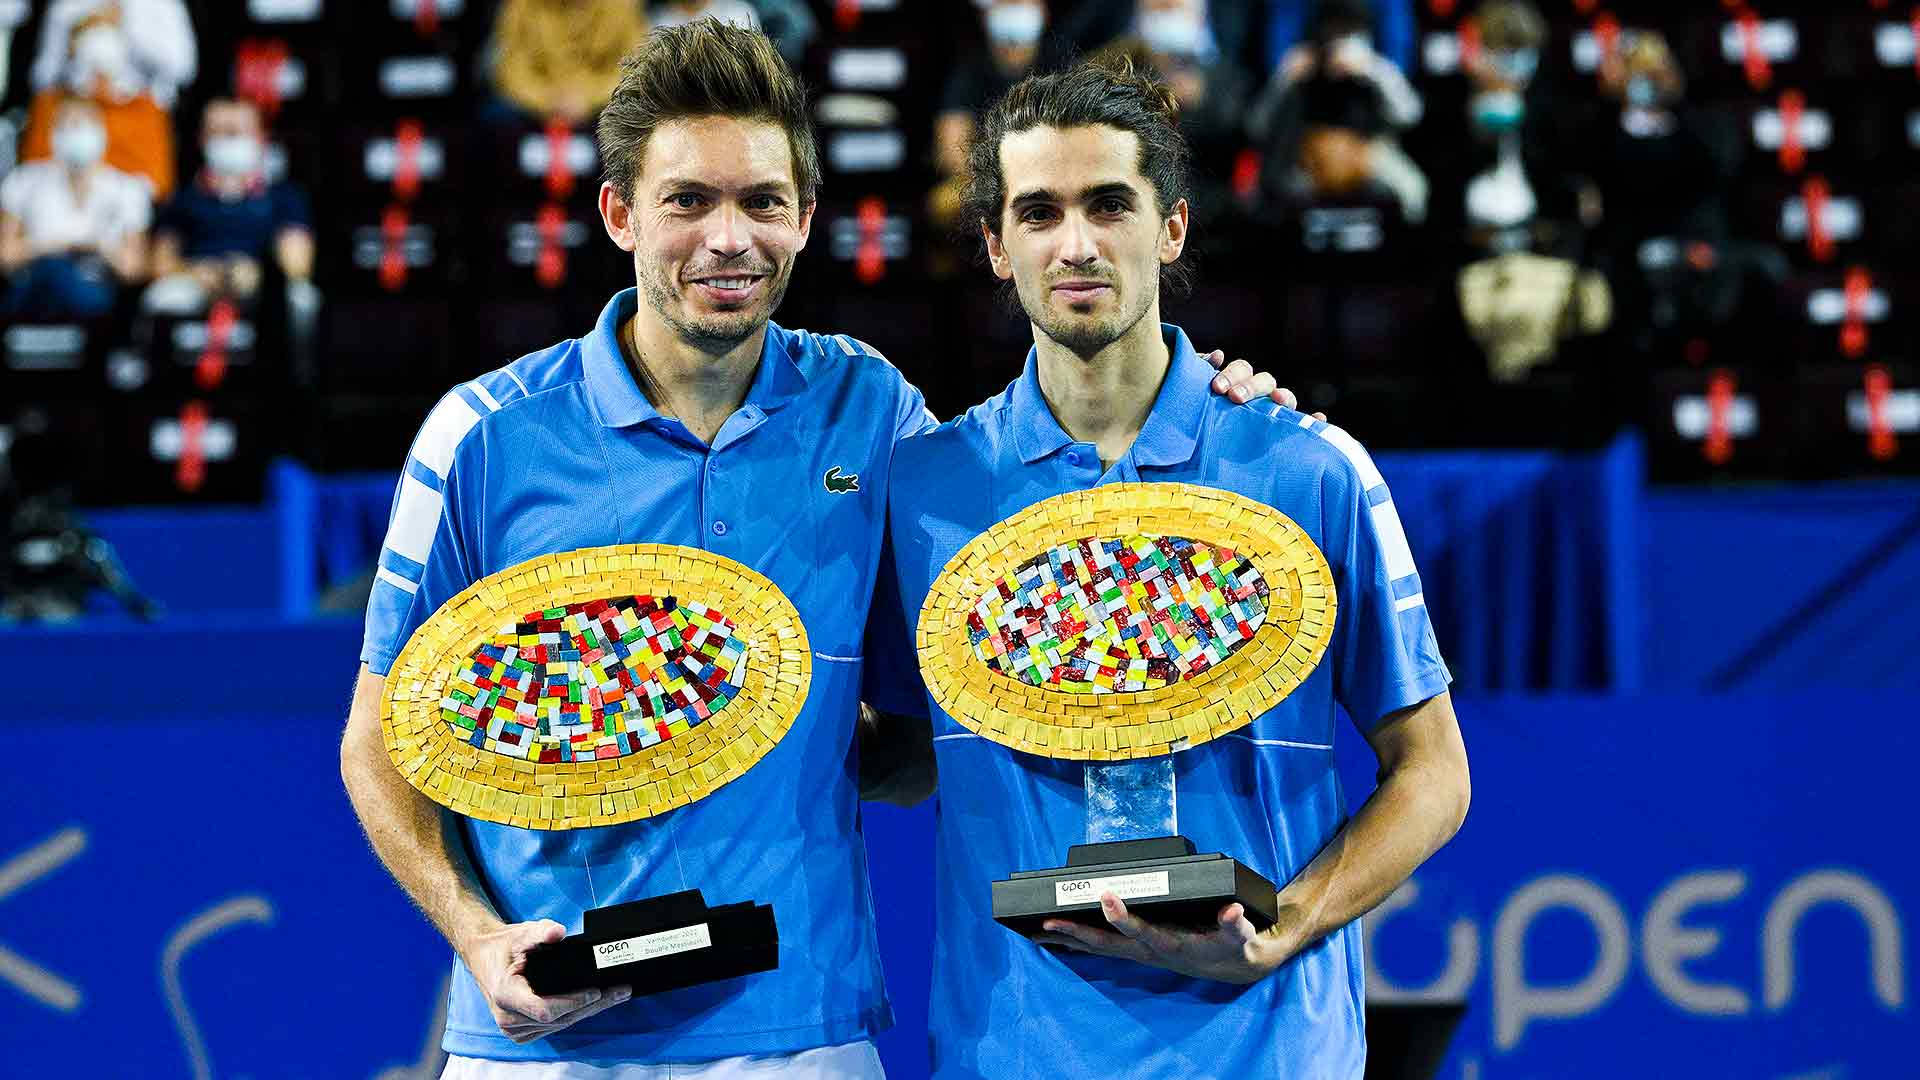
1075,292
728,289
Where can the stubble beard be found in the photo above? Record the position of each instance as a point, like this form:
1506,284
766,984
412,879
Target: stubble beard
1085,337
720,332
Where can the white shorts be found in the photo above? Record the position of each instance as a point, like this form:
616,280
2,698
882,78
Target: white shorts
848,1061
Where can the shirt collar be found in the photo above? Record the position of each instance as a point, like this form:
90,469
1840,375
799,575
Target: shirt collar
617,398
1167,438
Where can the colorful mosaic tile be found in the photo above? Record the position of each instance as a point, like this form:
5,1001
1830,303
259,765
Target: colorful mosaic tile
1126,621
596,687
1104,616
596,680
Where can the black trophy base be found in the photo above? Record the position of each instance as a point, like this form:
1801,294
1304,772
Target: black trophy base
1160,879
660,943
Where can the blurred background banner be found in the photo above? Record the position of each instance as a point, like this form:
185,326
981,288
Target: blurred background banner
1651,884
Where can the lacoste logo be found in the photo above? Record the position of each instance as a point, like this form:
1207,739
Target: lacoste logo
840,485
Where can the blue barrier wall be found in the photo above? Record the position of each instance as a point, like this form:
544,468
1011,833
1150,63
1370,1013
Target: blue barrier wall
1647,885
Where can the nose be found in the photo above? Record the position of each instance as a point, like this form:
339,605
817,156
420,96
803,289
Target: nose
727,235
1077,247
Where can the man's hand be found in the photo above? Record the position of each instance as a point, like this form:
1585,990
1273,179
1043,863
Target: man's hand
1240,383
1231,952
497,960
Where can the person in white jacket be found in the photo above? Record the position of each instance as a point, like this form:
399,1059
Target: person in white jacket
160,55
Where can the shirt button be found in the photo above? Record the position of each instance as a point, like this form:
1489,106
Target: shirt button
719,528
1073,457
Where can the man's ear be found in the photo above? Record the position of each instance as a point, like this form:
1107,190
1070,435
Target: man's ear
1173,236
996,254
617,216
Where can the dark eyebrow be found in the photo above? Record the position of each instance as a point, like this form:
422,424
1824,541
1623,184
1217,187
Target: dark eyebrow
764,187
1043,195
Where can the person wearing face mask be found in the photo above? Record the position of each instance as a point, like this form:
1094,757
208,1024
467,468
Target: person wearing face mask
129,57
1172,41
1657,167
1013,37
72,229
214,238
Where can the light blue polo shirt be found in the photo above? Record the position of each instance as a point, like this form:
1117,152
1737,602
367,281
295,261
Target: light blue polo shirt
1266,794
560,450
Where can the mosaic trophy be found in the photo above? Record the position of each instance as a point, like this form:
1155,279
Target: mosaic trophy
1118,626
598,687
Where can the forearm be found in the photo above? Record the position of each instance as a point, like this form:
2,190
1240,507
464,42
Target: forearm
417,840
1417,807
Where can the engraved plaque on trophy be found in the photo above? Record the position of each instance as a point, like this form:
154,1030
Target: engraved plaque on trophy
1120,626
597,687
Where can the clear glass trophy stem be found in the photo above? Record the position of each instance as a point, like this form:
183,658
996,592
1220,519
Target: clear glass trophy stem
1130,800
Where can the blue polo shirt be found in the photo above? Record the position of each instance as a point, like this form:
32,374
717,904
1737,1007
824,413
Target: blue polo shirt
560,450
1266,794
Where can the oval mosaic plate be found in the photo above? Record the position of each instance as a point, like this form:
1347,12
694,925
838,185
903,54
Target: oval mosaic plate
1126,621
596,686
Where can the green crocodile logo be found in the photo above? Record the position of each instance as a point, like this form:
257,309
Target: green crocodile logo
840,485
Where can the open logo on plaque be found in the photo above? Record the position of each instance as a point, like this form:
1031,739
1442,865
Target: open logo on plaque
1118,626
598,687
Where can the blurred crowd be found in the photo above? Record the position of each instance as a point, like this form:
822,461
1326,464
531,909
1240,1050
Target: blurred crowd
1397,203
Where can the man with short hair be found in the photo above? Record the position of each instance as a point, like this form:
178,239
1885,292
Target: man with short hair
1080,190
685,417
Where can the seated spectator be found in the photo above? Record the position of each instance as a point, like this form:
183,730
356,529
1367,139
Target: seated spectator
215,236
73,229
1333,191
1171,39
681,12
1657,168
130,57
1080,27
1290,24
1341,47
1013,30
561,58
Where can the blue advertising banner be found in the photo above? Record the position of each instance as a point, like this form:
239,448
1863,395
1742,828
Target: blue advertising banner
1646,886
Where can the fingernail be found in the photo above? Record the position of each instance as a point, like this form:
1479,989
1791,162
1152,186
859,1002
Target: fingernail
1220,382
1238,394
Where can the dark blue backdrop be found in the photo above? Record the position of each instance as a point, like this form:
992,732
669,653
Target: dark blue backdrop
181,879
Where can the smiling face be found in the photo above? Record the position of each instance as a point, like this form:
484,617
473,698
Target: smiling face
1081,234
714,223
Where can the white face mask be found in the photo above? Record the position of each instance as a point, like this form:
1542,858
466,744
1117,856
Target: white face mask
1015,24
234,155
1172,33
101,52
79,144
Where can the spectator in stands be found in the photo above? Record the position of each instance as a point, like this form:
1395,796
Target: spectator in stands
1289,21
1505,149
1171,40
131,57
560,58
1657,168
217,234
1225,28
1340,48
73,229
1337,166
1013,29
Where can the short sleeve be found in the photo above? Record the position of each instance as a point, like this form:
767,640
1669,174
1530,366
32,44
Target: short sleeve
425,558
136,207
1384,650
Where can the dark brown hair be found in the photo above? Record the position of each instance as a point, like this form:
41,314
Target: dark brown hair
1114,92
705,68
